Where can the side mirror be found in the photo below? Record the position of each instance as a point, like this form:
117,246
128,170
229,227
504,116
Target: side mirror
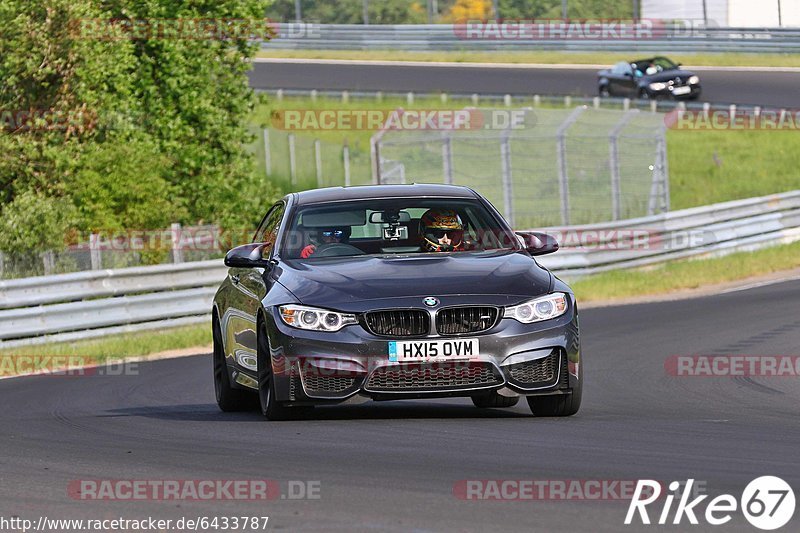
537,243
247,255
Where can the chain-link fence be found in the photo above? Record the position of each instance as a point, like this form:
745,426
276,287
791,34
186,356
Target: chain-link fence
552,167
298,161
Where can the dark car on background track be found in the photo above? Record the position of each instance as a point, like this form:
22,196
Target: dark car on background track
392,292
655,77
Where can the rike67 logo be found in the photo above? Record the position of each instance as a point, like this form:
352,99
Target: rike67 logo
767,503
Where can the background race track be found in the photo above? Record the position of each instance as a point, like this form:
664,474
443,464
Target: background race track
392,466
757,87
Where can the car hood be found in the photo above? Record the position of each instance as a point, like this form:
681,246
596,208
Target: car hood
668,75
360,283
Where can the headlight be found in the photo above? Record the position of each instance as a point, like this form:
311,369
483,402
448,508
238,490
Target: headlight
544,308
299,316
694,80
658,86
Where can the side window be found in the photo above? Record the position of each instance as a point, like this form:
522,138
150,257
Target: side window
268,230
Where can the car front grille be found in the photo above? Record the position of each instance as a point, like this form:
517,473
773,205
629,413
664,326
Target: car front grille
320,384
399,322
458,320
432,377
538,372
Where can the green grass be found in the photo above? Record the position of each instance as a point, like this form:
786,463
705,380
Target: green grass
541,57
686,274
97,351
707,167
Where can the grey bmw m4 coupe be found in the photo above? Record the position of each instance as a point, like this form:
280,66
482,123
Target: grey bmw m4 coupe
392,292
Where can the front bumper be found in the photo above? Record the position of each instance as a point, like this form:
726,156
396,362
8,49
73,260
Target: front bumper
669,92
514,359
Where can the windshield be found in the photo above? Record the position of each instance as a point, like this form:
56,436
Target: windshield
393,226
654,65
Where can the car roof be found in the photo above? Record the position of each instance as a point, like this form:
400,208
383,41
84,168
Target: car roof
366,192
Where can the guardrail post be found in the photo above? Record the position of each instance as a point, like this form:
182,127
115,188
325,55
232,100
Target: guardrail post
567,101
659,187
475,98
279,95
313,95
345,97
443,98
49,261
561,149
613,160
375,154
537,100
596,102
346,162
653,106
95,257
447,157
507,100
410,98
267,153
292,160
506,177
318,161
175,234
626,104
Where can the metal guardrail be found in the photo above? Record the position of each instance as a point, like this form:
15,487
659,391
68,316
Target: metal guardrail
89,304
667,37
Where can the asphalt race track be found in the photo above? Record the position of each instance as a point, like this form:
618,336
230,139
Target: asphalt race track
393,466
773,88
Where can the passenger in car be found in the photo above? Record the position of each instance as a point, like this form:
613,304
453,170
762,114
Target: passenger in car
326,236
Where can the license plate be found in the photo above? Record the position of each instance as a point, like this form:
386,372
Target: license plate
438,350
681,90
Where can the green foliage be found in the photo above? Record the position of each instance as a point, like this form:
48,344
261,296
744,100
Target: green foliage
576,9
131,133
35,218
351,11
415,11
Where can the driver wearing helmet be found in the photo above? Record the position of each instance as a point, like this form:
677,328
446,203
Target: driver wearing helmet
326,236
442,231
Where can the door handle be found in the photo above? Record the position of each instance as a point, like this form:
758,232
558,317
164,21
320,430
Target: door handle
235,278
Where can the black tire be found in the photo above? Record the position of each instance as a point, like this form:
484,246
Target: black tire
492,399
557,404
643,95
271,408
603,91
228,398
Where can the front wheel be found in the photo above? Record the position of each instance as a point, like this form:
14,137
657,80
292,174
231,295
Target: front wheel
556,404
228,398
603,91
271,408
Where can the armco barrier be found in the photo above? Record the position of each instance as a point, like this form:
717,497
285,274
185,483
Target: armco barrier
89,304
441,37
